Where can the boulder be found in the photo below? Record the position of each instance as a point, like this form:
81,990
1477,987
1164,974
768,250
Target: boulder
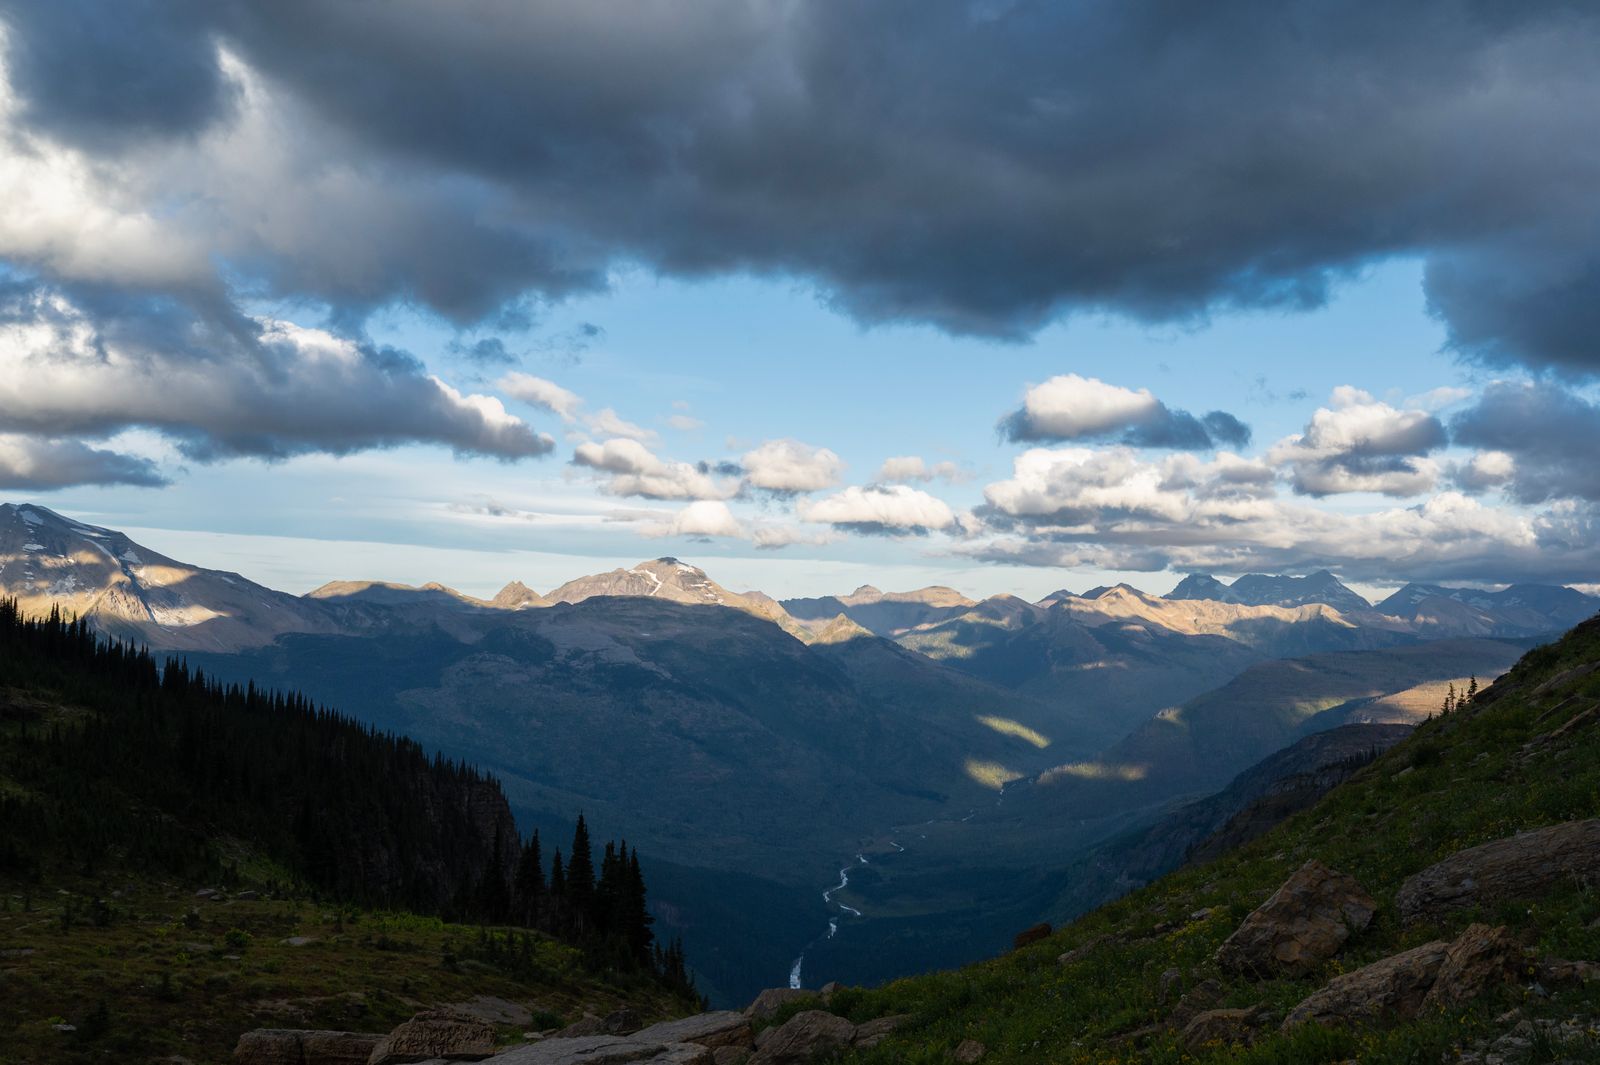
623,1021
289,1046
1224,1027
1523,866
1561,971
1481,959
605,1050
875,1031
773,999
969,1051
1303,924
433,1034
1205,996
808,1034
1392,988
718,1029
1029,936
730,1055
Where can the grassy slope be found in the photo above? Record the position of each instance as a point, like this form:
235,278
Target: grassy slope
1458,781
174,981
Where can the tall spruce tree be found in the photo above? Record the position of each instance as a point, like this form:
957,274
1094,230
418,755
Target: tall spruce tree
580,879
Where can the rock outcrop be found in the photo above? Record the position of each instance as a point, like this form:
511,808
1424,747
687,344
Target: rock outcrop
1225,1027
1304,923
1029,936
445,1034
288,1046
1523,866
769,1002
873,1032
1435,976
1390,989
807,1035
1480,959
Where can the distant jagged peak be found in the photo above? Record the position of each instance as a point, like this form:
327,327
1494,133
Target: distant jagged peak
1199,586
840,630
1115,591
517,596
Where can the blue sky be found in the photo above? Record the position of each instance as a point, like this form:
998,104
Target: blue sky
755,359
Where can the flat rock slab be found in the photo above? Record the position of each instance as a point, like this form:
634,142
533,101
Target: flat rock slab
1523,866
604,1050
1303,924
718,1029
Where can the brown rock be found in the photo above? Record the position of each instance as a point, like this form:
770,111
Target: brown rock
1559,971
773,999
1481,958
730,1055
875,1031
1225,1027
286,1046
969,1051
1029,936
436,1034
1303,924
1523,866
1391,988
1204,996
718,1029
806,1035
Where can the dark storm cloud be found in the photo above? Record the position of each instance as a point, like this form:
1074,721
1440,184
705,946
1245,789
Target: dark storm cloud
1552,436
93,361
42,463
982,169
104,75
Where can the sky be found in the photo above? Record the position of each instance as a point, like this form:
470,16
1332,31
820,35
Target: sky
1006,296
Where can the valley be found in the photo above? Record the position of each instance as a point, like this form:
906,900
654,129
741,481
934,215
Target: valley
970,764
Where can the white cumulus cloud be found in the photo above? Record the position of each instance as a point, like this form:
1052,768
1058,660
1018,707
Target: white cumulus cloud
791,466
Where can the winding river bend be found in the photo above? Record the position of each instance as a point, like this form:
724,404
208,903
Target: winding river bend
796,971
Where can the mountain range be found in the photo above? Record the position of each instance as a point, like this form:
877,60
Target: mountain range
747,745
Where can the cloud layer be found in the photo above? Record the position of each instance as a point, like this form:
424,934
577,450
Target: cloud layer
982,167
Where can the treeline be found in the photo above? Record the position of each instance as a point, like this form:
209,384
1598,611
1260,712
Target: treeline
154,767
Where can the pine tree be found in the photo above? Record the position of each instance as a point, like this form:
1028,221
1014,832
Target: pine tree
530,882
580,879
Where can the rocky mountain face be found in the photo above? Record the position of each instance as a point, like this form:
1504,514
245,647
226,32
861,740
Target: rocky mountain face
1520,610
882,613
1259,589
131,591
